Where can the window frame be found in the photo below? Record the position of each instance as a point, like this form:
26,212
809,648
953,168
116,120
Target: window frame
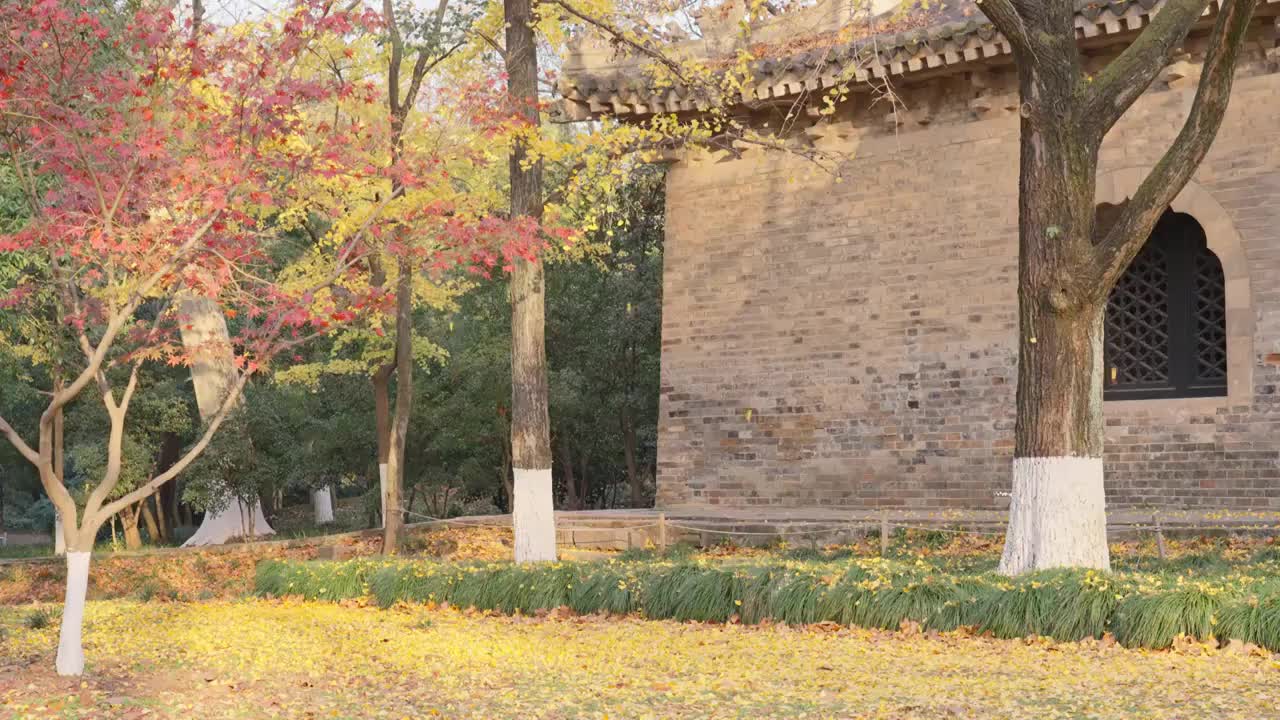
1182,239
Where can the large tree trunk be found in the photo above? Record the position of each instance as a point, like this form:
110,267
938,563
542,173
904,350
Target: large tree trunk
532,503
1058,515
1067,266
207,341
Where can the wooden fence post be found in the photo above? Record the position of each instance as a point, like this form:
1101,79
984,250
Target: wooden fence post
1160,548
884,532
662,532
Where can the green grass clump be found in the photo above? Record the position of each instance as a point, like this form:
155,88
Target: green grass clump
1204,597
314,580
1253,619
39,619
1153,620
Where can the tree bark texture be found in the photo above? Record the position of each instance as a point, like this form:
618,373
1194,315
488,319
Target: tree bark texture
1068,266
532,499
393,518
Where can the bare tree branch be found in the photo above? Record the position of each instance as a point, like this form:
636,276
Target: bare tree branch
18,443
115,447
502,52
425,63
621,36
1005,17
1125,238
1125,78
149,487
397,56
120,318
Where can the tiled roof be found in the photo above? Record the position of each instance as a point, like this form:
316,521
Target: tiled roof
929,35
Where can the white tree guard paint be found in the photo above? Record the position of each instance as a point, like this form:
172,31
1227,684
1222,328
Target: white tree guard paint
70,648
230,522
533,516
1057,517
59,539
382,493
322,503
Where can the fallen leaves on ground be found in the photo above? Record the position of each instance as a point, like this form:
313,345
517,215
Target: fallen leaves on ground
289,659
227,572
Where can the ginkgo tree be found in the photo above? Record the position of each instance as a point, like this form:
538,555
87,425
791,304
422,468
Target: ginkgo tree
154,165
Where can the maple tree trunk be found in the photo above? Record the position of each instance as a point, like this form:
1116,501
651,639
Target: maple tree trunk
1068,263
163,519
166,498
208,343
413,496
70,659
629,452
393,518
505,475
571,497
149,517
382,426
532,502
129,519
584,480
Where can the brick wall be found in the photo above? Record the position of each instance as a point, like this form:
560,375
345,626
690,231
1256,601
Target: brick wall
852,343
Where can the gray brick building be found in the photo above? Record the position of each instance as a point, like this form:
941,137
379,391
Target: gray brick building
851,343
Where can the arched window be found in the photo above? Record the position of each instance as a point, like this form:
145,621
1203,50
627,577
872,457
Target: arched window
1166,324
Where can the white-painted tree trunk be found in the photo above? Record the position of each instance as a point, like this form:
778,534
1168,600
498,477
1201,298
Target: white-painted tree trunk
206,339
59,539
322,503
382,494
533,516
70,659
1057,517
230,522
